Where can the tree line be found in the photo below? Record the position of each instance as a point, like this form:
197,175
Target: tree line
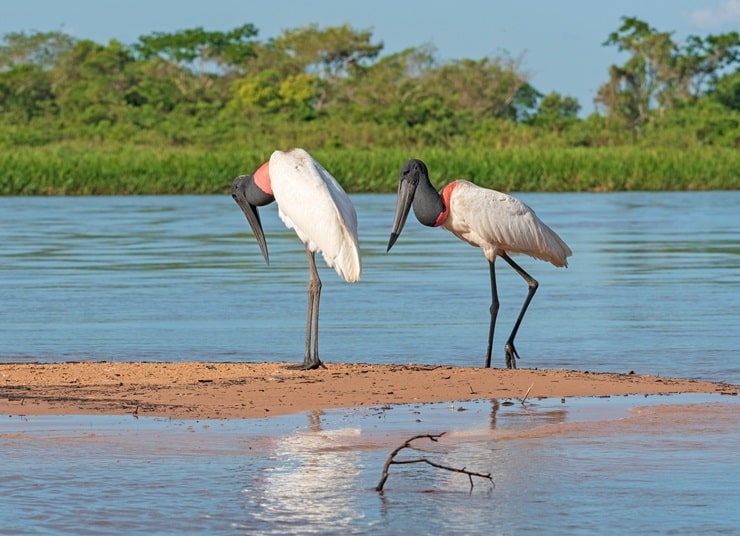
331,87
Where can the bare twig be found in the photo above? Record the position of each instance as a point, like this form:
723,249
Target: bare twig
407,444
527,393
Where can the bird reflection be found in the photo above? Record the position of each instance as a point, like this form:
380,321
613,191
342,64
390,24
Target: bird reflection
313,481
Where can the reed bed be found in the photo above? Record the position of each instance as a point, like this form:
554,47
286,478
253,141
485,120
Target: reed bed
80,170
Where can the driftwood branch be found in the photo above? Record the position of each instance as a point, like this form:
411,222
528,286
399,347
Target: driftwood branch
527,393
407,444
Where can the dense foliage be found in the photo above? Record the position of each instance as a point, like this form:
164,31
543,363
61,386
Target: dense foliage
184,112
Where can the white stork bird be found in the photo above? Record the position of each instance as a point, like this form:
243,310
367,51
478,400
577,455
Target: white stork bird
311,202
496,222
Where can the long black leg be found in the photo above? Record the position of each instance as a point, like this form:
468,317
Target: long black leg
311,355
316,285
494,313
511,353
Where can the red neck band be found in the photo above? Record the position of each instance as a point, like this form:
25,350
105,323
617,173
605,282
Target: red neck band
446,193
262,178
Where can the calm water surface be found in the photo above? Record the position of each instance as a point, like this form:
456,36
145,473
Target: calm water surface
627,465
652,287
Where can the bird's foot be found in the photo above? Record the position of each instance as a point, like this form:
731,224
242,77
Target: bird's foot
511,355
308,364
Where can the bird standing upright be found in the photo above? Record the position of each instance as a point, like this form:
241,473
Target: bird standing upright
496,222
311,202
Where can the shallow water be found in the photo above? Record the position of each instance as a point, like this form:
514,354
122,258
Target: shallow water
652,286
622,465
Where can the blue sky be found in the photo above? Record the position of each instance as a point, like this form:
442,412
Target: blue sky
558,41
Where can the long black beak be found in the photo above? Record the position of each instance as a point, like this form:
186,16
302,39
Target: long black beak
239,193
406,192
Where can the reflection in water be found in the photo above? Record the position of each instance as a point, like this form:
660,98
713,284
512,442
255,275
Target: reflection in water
525,415
494,412
310,482
572,468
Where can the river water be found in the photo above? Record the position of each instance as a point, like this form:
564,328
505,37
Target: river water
652,288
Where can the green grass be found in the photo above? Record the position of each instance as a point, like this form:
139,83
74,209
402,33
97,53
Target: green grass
80,170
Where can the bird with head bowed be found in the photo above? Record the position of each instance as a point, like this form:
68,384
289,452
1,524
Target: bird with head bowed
498,223
312,203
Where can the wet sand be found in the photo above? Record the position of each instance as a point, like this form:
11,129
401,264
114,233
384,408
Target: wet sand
249,390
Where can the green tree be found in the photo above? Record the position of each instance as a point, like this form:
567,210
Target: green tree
701,61
25,80
273,82
633,86
90,81
485,88
269,91
229,50
556,112
25,92
525,103
329,53
391,90
158,84
726,90
42,49
660,73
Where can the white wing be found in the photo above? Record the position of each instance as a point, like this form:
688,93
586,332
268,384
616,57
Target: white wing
497,222
311,202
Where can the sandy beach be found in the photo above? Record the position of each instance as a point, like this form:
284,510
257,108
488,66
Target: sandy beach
254,390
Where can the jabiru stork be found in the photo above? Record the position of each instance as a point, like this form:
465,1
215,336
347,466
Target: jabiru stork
312,203
498,223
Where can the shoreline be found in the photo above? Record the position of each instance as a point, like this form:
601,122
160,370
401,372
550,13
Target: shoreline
203,390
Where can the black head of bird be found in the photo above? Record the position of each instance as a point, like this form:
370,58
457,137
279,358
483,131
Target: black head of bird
414,188
249,196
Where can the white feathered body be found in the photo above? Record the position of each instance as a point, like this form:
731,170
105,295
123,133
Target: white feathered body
497,222
313,204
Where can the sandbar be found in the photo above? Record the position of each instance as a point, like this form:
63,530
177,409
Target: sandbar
203,390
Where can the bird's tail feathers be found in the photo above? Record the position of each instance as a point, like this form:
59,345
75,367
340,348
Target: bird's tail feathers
347,263
558,250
